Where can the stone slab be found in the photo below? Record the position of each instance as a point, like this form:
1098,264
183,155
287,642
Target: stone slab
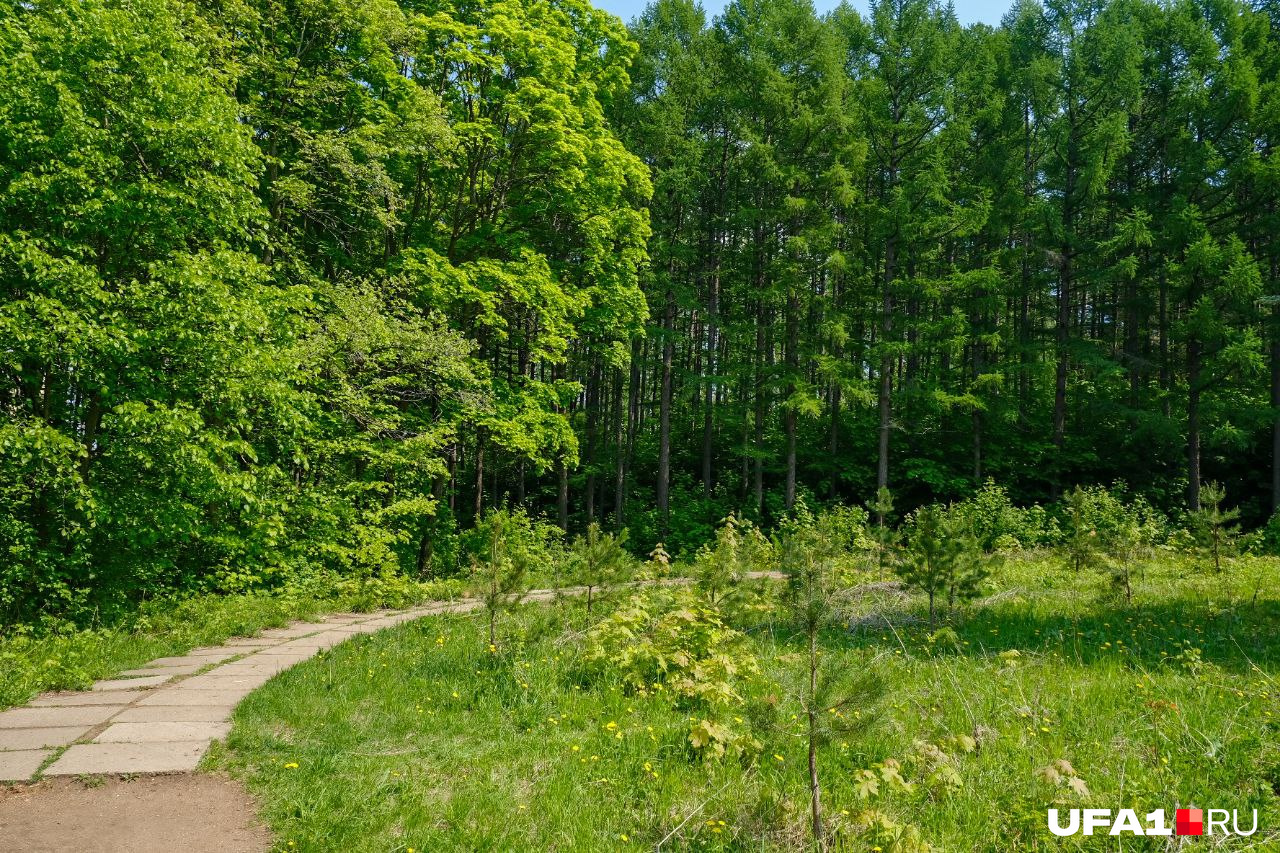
162,731
239,670
223,698
101,697
290,633
214,656
20,766
172,757
131,683
271,657
234,681
48,718
174,714
307,647
248,643
22,739
167,671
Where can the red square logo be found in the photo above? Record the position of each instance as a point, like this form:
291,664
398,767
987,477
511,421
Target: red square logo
1190,821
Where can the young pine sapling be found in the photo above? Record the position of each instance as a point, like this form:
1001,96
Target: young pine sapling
500,570
1082,535
599,561
972,567
886,537
1128,546
1214,526
740,548
933,559
834,698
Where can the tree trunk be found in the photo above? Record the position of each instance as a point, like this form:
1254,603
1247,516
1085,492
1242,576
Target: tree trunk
815,787
789,424
562,496
625,453
664,416
593,413
1193,423
1275,406
479,504
757,471
886,370
708,415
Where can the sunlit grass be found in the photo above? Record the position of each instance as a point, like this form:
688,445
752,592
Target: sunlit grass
419,737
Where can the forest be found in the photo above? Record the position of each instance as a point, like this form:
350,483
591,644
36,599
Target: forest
298,289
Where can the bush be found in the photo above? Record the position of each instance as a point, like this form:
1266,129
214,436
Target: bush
998,525
671,640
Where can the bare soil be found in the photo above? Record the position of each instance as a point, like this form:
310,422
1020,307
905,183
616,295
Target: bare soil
193,813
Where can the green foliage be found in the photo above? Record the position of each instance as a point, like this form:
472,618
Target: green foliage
673,641
1214,525
267,277
292,291
943,558
511,548
1098,523
739,549
597,561
998,524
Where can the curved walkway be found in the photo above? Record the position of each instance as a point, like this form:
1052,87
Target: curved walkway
162,717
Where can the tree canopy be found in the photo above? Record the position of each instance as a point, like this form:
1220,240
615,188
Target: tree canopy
293,287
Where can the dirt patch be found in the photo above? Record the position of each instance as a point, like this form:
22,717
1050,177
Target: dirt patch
193,813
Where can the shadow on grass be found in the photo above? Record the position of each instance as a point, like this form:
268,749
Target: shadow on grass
1144,635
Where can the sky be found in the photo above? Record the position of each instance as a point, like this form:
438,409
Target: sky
968,11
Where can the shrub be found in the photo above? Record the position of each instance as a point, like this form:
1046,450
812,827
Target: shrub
598,561
672,640
997,524
739,548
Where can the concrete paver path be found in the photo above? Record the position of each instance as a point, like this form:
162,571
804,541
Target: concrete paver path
161,718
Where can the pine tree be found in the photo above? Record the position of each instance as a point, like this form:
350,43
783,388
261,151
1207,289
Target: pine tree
599,561
933,559
815,602
1215,526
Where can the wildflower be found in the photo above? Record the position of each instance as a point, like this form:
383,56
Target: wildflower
778,757
292,765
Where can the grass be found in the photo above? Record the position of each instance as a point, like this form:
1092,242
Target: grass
421,738
73,660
